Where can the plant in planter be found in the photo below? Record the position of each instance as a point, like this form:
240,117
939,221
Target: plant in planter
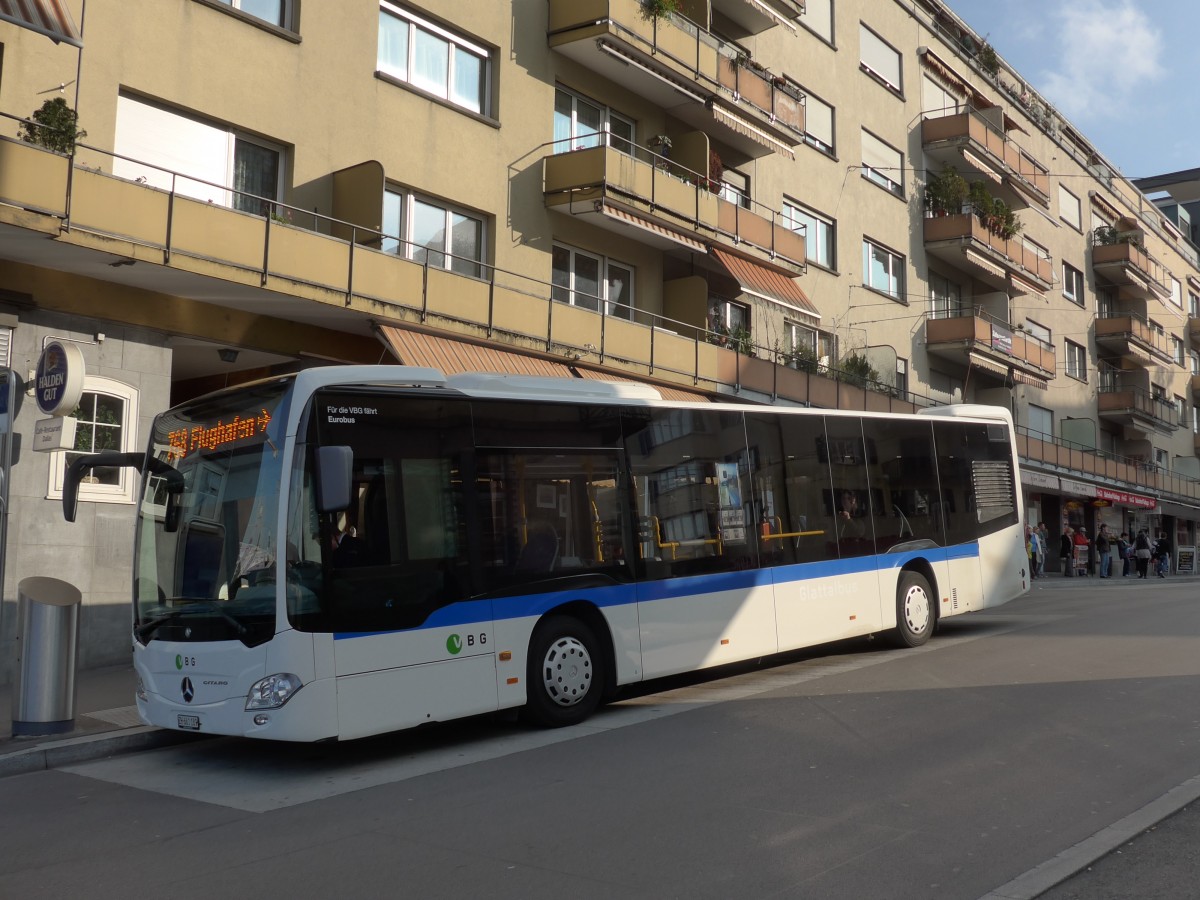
1105,235
946,192
988,59
659,9
801,357
53,126
858,370
739,340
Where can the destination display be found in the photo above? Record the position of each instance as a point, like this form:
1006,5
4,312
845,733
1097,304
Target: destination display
240,429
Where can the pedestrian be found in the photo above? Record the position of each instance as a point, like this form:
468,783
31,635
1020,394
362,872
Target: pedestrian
1037,552
1066,547
1103,556
1141,552
1162,554
1124,551
1044,542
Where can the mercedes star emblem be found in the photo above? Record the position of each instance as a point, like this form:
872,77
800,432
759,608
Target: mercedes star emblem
188,691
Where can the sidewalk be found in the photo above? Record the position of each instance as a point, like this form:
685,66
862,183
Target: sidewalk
106,723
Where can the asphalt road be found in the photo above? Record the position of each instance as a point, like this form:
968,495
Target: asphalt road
1016,747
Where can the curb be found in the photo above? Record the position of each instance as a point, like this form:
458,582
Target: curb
90,747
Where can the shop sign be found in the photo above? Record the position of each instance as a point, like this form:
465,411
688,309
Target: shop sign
58,380
1126,499
1185,561
1078,488
1037,479
54,434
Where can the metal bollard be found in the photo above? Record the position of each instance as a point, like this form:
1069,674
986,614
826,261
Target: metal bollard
48,640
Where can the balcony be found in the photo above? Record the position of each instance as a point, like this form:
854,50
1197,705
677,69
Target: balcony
1125,263
757,16
667,205
1195,386
684,69
991,347
971,144
962,241
1136,408
1132,339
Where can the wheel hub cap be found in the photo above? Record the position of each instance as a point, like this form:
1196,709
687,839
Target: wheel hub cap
567,671
916,610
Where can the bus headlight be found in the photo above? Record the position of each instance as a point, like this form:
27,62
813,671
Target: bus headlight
273,691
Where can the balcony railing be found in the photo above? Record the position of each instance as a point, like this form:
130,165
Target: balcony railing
1127,263
978,330
665,191
1130,333
1115,401
1012,254
293,253
1036,447
996,154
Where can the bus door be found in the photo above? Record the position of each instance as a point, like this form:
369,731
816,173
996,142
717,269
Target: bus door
702,598
410,638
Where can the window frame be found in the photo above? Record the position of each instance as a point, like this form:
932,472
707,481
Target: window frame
881,77
577,139
125,489
454,41
896,269
287,27
791,211
1073,279
1076,360
829,149
605,305
407,247
1077,222
875,175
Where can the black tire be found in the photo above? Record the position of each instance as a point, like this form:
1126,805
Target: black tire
565,673
916,613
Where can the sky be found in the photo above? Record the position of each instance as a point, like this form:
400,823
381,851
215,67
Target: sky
1121,71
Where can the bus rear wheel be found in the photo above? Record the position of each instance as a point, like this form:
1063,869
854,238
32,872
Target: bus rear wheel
914,610
565,674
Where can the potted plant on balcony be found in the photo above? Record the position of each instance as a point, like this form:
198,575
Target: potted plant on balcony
988,59
659,9
946,192
739,340
857,370
53,126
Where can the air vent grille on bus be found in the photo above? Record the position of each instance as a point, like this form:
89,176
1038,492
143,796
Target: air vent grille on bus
953,598
993,484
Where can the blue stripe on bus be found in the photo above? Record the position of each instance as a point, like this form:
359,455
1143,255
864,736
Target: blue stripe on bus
520,606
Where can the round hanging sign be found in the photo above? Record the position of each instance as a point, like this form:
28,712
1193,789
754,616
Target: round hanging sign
59,379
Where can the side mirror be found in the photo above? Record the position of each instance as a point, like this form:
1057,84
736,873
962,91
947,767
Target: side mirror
335,468
107,459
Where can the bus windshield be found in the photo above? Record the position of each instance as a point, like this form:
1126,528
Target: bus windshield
206,556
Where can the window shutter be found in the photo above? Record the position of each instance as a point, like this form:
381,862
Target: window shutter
879,56
818,120
878,155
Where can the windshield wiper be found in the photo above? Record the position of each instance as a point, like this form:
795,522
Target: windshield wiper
193,604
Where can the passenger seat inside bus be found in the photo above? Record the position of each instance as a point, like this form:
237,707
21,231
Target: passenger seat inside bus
540,552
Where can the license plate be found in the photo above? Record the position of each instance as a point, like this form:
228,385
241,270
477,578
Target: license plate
191,723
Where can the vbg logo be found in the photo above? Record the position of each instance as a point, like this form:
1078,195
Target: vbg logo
454,643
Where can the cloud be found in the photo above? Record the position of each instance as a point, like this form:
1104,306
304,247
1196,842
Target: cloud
1108,52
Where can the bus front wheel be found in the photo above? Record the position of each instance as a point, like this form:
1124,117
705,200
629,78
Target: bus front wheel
565,675
914,610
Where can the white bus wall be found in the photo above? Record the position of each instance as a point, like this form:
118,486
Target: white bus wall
686,632
1005,555
813,611
379,691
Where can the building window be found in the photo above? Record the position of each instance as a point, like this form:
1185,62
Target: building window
1160,458
1180,411
579,123
879,59
1177,351
1039,331
1176,292
945,298
106,419
1069,209
818,233
1076,360
1194,362
883,270
277,12
818,124
801,346
1041,423
902,378
587,280
818,18
727,319
937,98
882,164
422,225
195,158
1193,305
433,59
735,188
1072,284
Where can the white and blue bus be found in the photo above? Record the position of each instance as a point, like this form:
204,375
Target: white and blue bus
354,550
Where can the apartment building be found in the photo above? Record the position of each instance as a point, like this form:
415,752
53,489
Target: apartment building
840,203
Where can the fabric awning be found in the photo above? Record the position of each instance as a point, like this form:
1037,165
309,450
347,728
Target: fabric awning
984,263
979,361
1024,287
652,227
451,357
1031,380
984,167
47,17
766,283
741,126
